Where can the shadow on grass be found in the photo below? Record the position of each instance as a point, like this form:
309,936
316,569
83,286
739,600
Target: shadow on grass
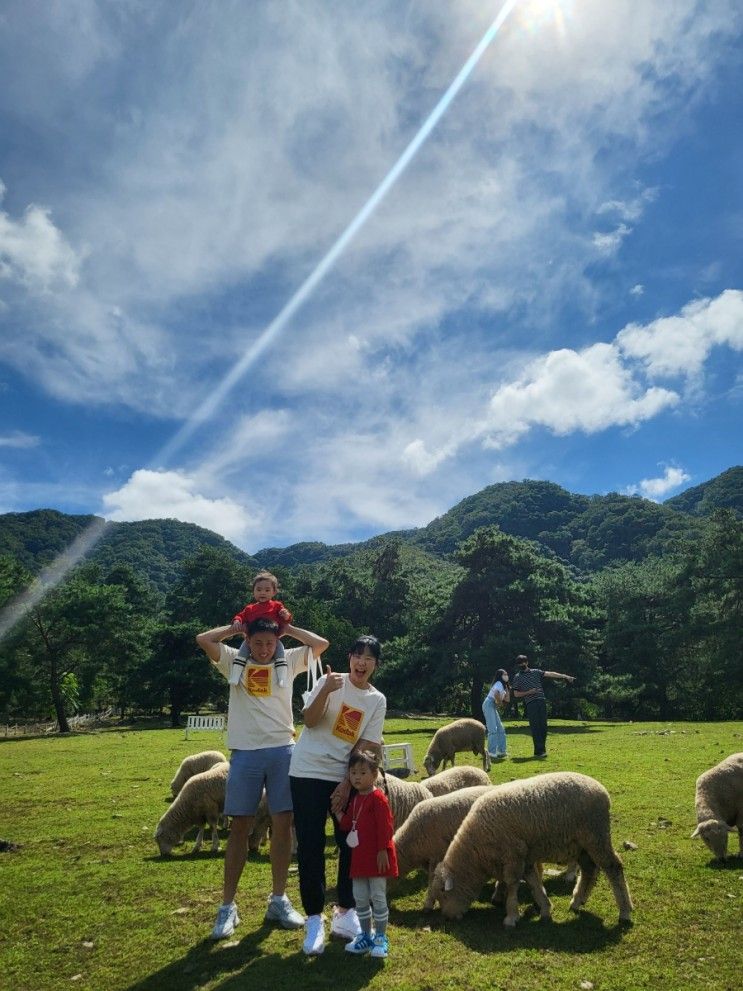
482,929
234,965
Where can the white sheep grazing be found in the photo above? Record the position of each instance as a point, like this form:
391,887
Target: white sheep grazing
201,800
454,778
403,796
194,764
424,837
462,734
719,805
513,828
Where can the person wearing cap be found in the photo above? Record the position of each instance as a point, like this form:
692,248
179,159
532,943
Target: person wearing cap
260,734
527,684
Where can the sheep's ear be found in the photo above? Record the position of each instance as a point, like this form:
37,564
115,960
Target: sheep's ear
449,883
695,834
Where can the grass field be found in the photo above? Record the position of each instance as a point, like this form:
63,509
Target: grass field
87,903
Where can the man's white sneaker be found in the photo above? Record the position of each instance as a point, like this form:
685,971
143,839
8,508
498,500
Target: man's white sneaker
346,924
282,911
227,919
314,939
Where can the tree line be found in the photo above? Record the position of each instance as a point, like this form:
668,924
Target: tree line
653,639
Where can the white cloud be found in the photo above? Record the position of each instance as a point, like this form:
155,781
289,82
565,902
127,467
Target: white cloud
657,488
250,154
19,439
34,252
637,290
607,243
173,495
567,390
680,345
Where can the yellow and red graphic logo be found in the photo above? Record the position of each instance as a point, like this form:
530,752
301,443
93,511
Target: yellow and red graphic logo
348,723
258,680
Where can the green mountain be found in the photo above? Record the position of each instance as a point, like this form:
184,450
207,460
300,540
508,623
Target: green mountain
154,548
588,532
723,492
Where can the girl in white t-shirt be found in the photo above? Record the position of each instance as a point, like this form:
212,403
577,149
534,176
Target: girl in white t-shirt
497,697
343,712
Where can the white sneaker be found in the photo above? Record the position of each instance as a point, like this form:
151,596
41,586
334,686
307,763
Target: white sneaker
227,919
346,924
314,940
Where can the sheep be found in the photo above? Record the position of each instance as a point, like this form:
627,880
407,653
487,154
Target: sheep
261,825
454,778
513,828
200,800
423,839
403,796
462,734
719,805
194,764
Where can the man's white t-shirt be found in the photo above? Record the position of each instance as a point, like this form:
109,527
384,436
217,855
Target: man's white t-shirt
351,714
260,711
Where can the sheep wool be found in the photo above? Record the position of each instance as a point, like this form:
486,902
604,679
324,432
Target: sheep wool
454,778
719,805
200,801
195,764
423,839
403,796
461,735
512,828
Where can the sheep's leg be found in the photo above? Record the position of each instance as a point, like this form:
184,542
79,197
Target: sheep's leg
533,879
512,877
615,873
485,759
499,893
571,872
199,839
215,836
589,872
740,841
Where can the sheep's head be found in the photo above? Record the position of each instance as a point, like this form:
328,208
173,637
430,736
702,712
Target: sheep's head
430,762
164,845
714,832
443,890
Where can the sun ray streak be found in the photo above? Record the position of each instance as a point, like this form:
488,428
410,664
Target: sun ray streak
217,396
84,543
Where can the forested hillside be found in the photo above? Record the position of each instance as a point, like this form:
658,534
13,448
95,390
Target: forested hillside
642,603
723,492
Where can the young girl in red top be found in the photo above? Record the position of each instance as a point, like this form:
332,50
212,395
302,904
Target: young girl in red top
368,821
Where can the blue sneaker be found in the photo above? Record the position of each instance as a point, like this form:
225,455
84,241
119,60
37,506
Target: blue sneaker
381,947
361,944
227,919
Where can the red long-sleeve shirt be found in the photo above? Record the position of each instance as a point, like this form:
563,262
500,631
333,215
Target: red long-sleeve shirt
375,828
262,610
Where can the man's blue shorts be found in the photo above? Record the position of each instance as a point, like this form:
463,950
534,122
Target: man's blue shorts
253,770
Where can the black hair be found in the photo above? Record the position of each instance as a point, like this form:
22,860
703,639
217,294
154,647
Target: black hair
522,659
499,674
263,625
369,643
366,757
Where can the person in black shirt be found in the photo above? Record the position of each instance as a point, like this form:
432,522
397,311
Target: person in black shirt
527,684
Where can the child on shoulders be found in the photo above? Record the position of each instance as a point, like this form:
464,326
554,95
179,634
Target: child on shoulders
264,606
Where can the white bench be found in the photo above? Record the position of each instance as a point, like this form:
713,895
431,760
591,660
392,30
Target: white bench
398,757
196,723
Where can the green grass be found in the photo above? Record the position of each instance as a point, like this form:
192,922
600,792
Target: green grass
84,809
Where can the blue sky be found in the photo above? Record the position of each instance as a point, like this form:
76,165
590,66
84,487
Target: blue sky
552,289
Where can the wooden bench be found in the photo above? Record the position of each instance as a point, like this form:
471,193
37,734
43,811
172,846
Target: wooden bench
398,759
196,723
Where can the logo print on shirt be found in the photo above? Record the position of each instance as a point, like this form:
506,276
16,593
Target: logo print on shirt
258,680
348,723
